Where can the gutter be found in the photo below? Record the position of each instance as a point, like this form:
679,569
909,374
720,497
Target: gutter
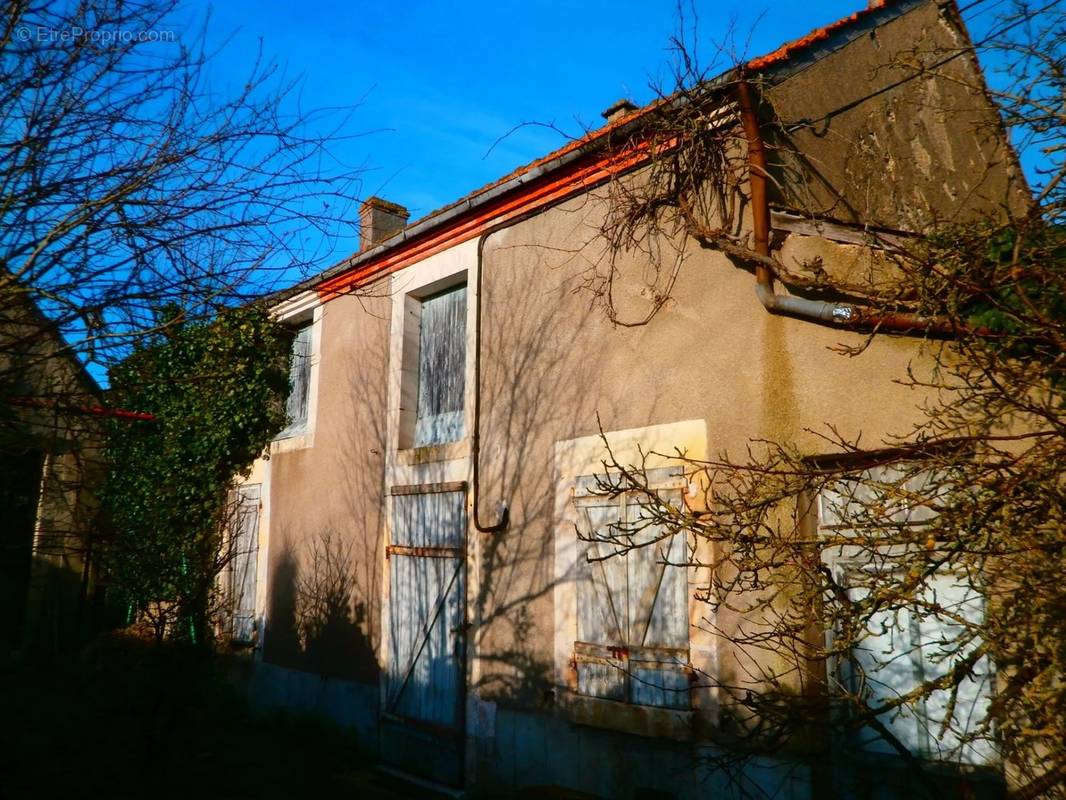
779,65
92,411
846,315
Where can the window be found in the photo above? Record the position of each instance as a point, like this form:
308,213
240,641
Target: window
441,368
632,607
906,643
298,402
243,563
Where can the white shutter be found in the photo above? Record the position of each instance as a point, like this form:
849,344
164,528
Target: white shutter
910,645
296,406
441,369
633,606
244,563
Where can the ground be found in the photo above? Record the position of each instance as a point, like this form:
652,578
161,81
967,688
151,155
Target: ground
122,720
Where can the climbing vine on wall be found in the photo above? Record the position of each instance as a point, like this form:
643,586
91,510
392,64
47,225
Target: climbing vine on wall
217,391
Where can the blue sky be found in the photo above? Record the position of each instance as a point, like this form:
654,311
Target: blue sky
437,84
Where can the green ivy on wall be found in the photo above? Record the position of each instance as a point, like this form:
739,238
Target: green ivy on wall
217,390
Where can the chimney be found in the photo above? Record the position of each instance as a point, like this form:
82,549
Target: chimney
618,109
379,220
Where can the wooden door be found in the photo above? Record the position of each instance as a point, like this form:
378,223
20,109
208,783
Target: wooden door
423,715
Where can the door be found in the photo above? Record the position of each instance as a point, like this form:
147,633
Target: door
422,725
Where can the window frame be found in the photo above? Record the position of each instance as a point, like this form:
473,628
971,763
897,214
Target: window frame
300,313
409,356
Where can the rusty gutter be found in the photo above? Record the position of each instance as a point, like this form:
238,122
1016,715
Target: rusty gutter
848,315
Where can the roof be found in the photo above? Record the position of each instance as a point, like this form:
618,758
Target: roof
774,66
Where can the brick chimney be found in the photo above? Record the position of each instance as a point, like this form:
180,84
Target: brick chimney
378,220
618,109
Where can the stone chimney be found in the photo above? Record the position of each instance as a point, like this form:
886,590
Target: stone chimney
618,109
378,220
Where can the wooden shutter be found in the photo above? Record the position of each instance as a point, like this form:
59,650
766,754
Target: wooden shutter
602,604
245,563
441,368
632,607
905,647
426,607
297,404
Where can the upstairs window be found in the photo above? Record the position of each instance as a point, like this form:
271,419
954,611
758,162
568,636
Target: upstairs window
632,603
441,368
298,402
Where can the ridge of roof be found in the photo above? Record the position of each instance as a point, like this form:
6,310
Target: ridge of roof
785,51
876,13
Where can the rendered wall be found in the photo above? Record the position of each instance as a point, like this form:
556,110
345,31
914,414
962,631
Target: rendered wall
895,130
326,504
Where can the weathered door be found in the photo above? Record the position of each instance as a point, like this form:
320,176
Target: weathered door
422,719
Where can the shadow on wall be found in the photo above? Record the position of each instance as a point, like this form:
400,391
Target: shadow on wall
315,623
545,349
324,612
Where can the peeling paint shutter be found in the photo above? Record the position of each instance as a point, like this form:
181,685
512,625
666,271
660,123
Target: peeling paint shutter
245,557
632,608
905,647
422,720
441,368
936,634
425,616
603,605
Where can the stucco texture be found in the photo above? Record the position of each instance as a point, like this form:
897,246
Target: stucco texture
326,506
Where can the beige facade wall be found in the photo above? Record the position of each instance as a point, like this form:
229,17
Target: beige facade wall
555,368
324,500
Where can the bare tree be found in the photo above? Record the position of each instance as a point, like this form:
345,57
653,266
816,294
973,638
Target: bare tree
130,183
136,194
905,597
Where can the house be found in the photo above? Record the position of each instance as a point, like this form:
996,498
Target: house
51,440
419,571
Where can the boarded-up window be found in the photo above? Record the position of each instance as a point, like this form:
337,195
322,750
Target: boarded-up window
298,401
632,606
243,565
908,644
441,368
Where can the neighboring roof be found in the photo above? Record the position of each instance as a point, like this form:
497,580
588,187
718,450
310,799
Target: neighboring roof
777,65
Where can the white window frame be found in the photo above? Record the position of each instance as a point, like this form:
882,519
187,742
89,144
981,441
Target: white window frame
303,310
408,287
440,464
583,456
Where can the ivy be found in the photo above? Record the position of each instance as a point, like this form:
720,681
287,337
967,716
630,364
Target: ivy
217,390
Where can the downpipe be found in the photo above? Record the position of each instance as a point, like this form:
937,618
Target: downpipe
845,315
